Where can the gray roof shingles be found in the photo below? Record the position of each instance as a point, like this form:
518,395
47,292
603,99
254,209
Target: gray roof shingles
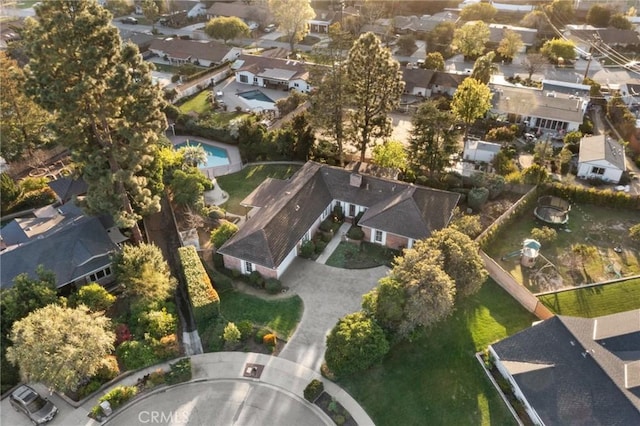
581,380
601,147
394,206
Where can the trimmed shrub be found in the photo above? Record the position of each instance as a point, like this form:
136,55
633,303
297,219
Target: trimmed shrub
89,388
108,369
156,324
338,214
320,246
326,236
477,198
307,249
156,378
246,328
355,233
167,347
135,354
222,233
261,333
180,372
544,234
93,296
119,395
273,285
313,390
269,339
231,333
325,225
256,279
204,298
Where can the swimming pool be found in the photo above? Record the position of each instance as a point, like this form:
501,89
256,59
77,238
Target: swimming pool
215,156
255,95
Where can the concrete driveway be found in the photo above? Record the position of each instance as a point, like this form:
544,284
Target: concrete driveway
328,294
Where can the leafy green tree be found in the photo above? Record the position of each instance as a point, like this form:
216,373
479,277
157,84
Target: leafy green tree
544,235
467,224
354,344
470,39
471,101
231,333
290,103
390,154
484,67
151,11
510,45
535,174
440,39
386,303
375,87
572,138
109,110
560,12
24,125
292,17
226,28
9,189
70,349
460,260
222,233
143,273
618,20
303,136
634,232
434,61
503,163
193,155
431,142
329,100
93,296
187,187
623,119
559,48
406,44
478,12
156,323
119,7
598,16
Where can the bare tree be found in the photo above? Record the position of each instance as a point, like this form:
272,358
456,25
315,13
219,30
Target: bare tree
535,62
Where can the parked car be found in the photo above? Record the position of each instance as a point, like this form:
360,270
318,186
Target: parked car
270,28
39,410
129,20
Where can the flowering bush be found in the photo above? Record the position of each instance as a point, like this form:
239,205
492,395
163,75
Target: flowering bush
123,334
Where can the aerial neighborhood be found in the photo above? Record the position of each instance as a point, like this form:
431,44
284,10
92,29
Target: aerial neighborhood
319,212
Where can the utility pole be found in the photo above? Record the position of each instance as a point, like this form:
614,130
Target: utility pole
591,49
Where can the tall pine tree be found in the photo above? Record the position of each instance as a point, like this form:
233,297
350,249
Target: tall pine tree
109,112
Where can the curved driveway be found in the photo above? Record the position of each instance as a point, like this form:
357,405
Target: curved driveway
328,294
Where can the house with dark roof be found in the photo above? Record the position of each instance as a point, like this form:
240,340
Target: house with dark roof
542,110
601,157
66,188
272,73
575,371
394,214
322,21
446,83
254,15
528,35
417,81
204,53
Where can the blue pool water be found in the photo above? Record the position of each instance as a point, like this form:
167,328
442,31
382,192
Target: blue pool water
255,95
215,156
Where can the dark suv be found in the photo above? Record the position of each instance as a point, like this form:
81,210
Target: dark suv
40,410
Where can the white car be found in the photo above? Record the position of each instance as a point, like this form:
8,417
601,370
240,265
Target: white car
270,28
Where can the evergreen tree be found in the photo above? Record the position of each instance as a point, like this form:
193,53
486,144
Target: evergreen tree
109,111
375,86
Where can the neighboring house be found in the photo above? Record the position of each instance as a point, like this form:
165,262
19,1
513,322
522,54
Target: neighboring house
394,214
528,35
612,37
630,93
254,15
446,83
204,53
569,370
67,188
417,81
322,21
538,109
477,151
583,6
602,158
76,248
571,89
503,7
423,24
272,73
142,40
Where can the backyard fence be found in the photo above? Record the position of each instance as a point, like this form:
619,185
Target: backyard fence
195,86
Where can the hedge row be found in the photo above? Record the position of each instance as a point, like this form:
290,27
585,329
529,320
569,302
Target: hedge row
204,298
598,197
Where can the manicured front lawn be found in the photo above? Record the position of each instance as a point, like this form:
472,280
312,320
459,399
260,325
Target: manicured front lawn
366,255
280,315
239,185
198,103
599,227
436,380
595,301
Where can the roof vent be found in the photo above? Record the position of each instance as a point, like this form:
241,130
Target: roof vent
297,207
355,180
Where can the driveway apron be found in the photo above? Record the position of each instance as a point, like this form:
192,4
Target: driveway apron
328,294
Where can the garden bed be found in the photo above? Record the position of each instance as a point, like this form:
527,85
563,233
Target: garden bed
361,255
335,410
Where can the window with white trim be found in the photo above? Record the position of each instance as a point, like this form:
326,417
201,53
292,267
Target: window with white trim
244,78
378,236
98,275
248,267
597,170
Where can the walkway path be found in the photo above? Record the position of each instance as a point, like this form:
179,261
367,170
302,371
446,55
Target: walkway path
328,294
328,251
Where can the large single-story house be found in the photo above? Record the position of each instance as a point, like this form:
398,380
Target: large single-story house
272,73
578,371
75,247
602,158
254,15
204,53
417,81
538,109
421,24
528,35
322,21
394,214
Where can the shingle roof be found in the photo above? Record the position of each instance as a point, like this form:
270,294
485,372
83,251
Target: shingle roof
239,9
573,369
416,77
396,207
274,67
496,33
601,147
66,188
447,79
265,193
609,36
178,48
68,253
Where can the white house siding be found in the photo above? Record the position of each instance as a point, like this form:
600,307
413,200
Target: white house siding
348,210
249,78
299,85
286,262
420,91
611,173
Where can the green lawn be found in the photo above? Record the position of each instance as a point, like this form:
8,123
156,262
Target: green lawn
281,315
172,69
595,301
239,185
601,227
198,103
435,379
366,255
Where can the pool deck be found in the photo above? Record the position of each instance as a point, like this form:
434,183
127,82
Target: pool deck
235,163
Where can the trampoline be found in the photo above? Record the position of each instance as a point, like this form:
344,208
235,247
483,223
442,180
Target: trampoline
553,210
